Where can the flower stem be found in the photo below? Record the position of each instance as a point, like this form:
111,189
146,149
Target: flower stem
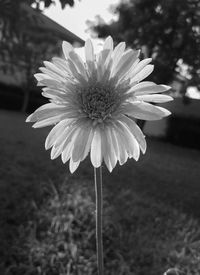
99,208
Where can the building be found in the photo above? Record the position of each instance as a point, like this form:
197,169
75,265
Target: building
182,127
39,39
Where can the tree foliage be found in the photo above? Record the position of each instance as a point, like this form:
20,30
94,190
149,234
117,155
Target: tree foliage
167,30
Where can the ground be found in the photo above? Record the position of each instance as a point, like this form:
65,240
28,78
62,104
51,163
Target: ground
166,175
166,172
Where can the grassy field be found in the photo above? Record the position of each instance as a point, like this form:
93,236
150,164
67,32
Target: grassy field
167,176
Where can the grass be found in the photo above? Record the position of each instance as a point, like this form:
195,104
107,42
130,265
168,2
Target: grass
142,196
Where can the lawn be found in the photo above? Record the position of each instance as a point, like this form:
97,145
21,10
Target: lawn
140,197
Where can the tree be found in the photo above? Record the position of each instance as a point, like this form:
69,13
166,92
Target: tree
166,30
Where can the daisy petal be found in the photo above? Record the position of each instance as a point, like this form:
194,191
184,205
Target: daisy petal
146,71
96,152
51,83
148,87
80,143
66,153
51,74
55,133
145,111
73,165
155,98
46,122
140,66
90,57
89,51
108,149
55,152
132,146
47,111
88,144
136,132
52,67
123,156
125,63
61,64
67,48
40,77
75,72
78,62
114,142
108,44
105,152
117,53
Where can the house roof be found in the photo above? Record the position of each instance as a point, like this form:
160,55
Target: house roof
42,22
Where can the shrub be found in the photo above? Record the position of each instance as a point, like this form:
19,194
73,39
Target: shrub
62,238
148,238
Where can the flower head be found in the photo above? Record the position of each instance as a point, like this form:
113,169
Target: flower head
94,104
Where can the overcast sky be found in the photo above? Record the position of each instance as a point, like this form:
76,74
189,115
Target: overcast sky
74,19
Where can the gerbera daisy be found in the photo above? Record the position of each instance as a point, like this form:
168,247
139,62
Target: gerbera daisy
94,104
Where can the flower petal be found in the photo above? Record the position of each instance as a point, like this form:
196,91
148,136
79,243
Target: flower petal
140,66
146,71
108,150
122,155
96,151
80,143
49,110
65,142
73,165
88,144
114,142
46,122
125,63
108,44
117,53
148,87
67,48
55,133
51,83
66,153
105,152
131,144
40,77
155,98
79,63
136,132
75,72
51,74
61,64
52,67
89,51
145,111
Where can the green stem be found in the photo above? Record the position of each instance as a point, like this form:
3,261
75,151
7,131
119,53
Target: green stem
99,208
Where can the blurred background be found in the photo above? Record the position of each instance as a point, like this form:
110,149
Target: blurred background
152,207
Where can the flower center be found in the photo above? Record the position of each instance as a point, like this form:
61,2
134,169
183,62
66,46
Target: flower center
98,101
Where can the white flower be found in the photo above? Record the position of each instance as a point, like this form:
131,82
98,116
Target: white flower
94,104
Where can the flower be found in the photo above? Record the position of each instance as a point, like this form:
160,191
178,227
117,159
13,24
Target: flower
94,104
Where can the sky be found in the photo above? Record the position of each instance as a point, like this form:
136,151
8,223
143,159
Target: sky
74,18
